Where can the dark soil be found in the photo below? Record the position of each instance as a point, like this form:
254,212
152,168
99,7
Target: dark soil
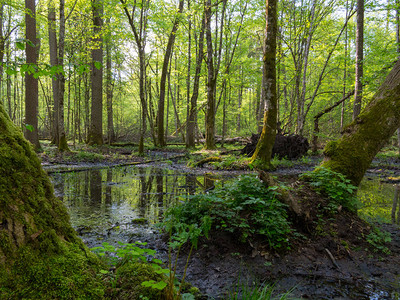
332,261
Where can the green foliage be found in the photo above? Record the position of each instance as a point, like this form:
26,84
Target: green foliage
232,162
126,255
334,185
243,206
255,292
70,275
377,239
88,156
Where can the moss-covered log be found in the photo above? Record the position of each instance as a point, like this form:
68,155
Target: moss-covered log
41,256
367,134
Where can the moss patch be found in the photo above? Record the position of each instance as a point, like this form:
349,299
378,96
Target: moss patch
41,256
130,277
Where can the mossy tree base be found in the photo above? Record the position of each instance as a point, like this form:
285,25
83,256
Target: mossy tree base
41,256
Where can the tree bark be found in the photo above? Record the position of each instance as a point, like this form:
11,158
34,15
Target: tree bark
35,231
31,83
367,134
267,138
62,140
191,123
211,82
140,39
359,58
163,80
109,92
96,121
53,62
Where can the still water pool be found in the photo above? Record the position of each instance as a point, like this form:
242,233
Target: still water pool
113,204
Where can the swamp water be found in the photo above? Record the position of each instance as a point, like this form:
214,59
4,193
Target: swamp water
123,203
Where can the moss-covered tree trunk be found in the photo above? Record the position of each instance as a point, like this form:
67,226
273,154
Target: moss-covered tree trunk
267,138
367,134
41,256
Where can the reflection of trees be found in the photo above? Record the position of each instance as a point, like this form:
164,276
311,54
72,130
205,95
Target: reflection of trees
95,187
160,187
108,187
190,184
208,182
395,202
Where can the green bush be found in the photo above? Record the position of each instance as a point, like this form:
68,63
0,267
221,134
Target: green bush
243,206
333,185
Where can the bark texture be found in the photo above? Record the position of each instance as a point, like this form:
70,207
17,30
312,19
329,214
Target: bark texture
96,121
40,255
359,58
367,134
268,133
167,56
31,83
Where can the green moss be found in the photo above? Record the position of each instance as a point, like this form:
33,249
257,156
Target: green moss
365,136
71,275
41,256
130,277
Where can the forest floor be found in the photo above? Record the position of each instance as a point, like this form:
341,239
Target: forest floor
333,261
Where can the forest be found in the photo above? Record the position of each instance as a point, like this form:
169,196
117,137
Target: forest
192,149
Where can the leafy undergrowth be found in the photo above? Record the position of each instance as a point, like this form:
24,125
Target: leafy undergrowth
251,214
243,208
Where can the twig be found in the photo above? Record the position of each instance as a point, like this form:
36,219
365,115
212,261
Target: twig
332,259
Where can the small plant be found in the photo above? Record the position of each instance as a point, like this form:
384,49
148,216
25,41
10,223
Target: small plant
118,256
377,239
334,185
88,156
255,292
243,207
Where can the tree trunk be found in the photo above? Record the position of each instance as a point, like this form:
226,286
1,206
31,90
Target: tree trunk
367,134
359,58
191,123
211,82
96,121
62,140
267,138
35,233
53,62
109,92
31,83
140,39
167,56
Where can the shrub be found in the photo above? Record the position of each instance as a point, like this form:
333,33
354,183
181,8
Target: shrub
333,185
243,206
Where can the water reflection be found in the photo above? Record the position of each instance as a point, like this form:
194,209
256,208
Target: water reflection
379,200
119,196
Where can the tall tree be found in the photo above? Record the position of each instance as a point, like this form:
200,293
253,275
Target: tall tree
62,140
267,138
109,89
96,121
191,122
167,57
140,34
359,59
31,83
53,62
398,53
213,65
